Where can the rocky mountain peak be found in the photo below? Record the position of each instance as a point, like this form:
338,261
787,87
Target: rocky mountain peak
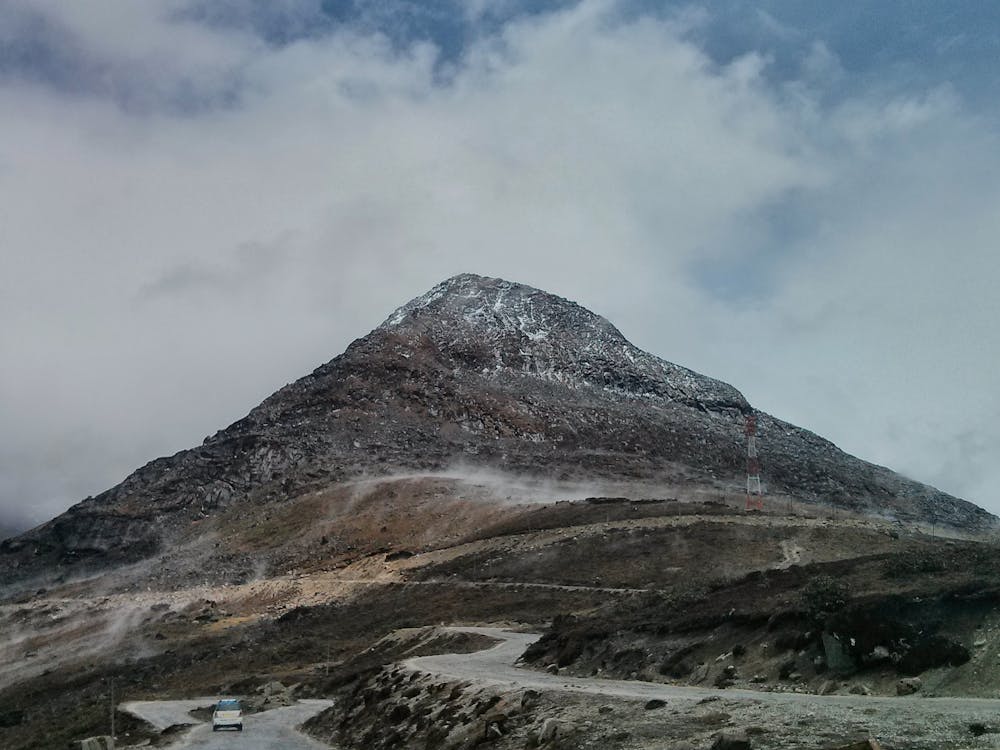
476,372
495,306
499,327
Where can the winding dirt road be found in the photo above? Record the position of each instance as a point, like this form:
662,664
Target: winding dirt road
912,722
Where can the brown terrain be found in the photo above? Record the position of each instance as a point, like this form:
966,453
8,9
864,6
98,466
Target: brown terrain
496,456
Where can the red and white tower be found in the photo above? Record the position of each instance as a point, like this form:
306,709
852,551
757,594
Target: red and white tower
755,491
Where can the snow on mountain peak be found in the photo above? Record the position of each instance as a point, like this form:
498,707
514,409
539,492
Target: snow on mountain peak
529,331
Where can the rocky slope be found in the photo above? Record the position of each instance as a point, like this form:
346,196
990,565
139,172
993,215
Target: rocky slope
479,372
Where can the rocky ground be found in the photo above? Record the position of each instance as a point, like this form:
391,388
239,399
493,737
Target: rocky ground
482,699
670,590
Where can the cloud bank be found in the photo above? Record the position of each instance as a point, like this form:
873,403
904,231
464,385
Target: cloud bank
204,201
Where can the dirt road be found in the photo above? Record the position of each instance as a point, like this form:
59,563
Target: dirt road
917,723
263,731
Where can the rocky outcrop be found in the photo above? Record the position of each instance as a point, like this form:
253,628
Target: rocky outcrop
96,743
396,708
731,741
894,633
484,372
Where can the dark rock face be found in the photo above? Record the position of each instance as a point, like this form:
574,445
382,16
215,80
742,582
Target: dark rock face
895,632
484,372
731,741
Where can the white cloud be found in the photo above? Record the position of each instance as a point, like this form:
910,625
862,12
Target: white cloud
164,271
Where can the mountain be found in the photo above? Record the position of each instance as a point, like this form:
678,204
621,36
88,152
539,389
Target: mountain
478,373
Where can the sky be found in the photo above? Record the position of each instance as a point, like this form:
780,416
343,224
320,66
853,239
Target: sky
203,200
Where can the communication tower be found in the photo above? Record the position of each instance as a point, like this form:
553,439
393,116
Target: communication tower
755,491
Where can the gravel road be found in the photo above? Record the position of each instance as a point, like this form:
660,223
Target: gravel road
913,722
263,731
785,720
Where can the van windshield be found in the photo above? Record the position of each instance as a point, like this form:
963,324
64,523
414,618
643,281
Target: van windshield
228,705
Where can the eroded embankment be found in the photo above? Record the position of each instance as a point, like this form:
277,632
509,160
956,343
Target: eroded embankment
857,626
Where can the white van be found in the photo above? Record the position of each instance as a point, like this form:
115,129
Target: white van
228,714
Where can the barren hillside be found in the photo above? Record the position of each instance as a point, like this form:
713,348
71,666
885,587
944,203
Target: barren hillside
492,454
476,375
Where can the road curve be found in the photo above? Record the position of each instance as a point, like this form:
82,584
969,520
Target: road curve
263,731
497,666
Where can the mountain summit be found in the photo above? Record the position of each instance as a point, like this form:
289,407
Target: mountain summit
497,327
483,373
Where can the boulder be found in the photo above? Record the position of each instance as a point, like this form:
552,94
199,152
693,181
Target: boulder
548,731
838,660
97,743
878,655
731,741
931,652
399,713
723,680
786,668
272,688
908,686
655,703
